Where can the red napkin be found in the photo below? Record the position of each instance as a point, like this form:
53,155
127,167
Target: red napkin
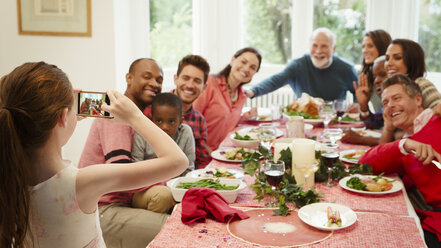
431,221
200,203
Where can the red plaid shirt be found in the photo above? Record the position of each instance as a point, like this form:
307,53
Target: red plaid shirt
196,121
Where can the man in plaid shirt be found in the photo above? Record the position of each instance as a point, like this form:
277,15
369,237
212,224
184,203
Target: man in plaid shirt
190,81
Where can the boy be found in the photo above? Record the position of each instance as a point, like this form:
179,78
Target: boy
166,114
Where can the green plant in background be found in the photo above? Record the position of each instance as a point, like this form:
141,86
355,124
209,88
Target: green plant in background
430,33
170,31
268,28
346,18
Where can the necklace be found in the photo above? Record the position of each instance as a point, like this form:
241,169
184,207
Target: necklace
233,93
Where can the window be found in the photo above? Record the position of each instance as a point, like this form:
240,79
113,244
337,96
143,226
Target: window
267,27
346,18
170,31
430,33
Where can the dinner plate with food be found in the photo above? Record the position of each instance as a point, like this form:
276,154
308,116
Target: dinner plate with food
253,132
221,172
327,216
305,106
230,154
366,132
351,156
370,185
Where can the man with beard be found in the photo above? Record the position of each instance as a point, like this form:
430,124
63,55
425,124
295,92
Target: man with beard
319,73
108,142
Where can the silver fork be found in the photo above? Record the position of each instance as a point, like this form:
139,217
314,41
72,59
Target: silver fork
438,164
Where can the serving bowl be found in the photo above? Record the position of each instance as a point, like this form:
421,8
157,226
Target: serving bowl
229,195
244,143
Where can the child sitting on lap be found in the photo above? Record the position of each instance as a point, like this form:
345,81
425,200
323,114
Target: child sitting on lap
167,115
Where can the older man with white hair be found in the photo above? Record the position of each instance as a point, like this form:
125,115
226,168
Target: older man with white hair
319,73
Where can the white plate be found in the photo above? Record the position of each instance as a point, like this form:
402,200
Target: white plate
368,133
316,215
219,154
349,160
202,173
253,131
397,186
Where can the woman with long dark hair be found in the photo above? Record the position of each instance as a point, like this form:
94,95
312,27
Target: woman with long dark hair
223,98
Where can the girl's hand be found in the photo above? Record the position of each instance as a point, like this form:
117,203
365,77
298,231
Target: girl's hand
122,108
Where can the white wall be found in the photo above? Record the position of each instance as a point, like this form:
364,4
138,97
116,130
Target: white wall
88,61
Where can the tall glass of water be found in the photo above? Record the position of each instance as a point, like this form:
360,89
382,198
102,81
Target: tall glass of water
327,113
267,134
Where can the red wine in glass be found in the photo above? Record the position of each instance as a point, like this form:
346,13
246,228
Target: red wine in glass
274,177
330,159
340,113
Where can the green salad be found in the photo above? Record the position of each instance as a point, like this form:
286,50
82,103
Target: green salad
206,183
240,137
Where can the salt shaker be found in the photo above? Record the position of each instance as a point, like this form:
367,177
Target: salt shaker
295,127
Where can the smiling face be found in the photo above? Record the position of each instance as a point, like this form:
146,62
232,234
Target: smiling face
144,82
369,50
189,83
244,67
321,50
400,107
167,118
395,60
380,75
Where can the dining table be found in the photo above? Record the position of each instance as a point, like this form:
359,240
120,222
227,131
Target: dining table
386,220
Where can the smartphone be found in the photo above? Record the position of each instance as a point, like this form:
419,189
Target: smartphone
90,102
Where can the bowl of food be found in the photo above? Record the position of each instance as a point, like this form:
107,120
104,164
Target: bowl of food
244,140
226,187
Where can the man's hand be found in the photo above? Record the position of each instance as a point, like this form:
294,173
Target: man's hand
362,92
423,152
249,93
249,114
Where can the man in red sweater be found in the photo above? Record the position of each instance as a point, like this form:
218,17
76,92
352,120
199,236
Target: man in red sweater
413,154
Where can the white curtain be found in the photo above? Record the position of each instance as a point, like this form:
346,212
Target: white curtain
399,17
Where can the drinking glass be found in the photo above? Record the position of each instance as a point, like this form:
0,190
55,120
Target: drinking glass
327,113
333,135
307,169
267,134
329,159
341,107
274,173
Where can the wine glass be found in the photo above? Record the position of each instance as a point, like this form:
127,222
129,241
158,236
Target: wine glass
274,173
329,159
333,135
327,113
267,134
341,107
307,169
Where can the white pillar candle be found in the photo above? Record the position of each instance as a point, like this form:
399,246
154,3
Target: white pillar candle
303,153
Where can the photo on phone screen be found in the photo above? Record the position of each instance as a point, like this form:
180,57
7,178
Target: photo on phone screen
89,103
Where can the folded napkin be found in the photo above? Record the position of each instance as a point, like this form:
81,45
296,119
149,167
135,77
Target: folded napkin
200,203
430,221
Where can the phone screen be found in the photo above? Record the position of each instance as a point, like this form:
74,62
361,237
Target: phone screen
89,104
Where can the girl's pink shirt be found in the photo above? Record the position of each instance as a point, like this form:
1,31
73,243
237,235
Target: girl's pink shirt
215,105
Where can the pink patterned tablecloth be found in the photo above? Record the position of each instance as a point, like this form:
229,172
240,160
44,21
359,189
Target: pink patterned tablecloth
370,230
383,220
